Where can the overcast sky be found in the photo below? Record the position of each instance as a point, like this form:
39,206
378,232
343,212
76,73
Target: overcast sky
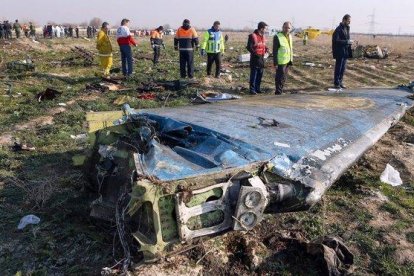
391,16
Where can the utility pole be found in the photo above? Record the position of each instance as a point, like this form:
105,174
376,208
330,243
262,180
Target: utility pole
372,23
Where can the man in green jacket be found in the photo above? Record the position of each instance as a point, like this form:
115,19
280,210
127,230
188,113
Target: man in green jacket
17,28
282,56
213,45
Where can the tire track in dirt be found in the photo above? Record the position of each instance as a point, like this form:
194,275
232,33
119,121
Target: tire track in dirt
306,77
400,77
358,80
295,83
374,77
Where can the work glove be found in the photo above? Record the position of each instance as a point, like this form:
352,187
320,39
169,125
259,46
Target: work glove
163,46
153,46
203,52
176,48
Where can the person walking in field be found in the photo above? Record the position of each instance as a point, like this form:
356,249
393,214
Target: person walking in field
104,46
256,45
213,45
186,39
341,50
157,42
32,30
125,40
17,28
282,56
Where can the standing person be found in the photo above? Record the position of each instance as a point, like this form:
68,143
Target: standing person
32,29
77,31
8,29
282,56
17,28
256,45
156,42
213,45
305,38
71,31
125,40
2,31
104,46
89,32
185,40
341,50
26,30
50,31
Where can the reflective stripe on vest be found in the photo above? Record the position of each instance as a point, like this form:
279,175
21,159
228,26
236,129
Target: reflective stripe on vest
284,54
214,42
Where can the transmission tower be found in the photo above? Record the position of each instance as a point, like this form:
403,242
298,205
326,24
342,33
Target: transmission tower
372,23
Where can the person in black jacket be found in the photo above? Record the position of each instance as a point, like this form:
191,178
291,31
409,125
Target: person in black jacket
341,49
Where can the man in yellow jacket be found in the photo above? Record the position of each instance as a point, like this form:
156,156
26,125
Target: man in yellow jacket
213,45
104,46
282,56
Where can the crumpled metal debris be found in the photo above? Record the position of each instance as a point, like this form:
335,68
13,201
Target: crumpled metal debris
104,87
409,87
370,51
22,147
329,253
337,258
21,65
158,86
246,57
48,94
210,97
80,56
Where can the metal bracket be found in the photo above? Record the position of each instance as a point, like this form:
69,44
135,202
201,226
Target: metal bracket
250,205
184,213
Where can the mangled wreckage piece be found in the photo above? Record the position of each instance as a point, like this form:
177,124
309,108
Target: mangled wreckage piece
329,254
246,57
370,51
80,56
409,87
104,87
211,97
48,94
195,171
21,65
159,86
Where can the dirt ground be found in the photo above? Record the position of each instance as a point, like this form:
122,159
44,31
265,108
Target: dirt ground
373,219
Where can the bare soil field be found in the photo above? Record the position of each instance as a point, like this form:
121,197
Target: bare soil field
373,219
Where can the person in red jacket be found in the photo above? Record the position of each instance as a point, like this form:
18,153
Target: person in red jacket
125,40
256,45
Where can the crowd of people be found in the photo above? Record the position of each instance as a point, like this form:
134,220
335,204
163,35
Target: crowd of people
186,41
17,30
61,31
7,29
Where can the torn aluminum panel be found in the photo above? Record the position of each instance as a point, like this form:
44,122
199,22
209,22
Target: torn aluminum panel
202,170
246,57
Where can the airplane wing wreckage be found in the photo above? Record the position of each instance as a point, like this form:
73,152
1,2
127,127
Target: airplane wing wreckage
171,175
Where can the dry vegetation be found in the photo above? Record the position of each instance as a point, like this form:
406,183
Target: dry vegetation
374,220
